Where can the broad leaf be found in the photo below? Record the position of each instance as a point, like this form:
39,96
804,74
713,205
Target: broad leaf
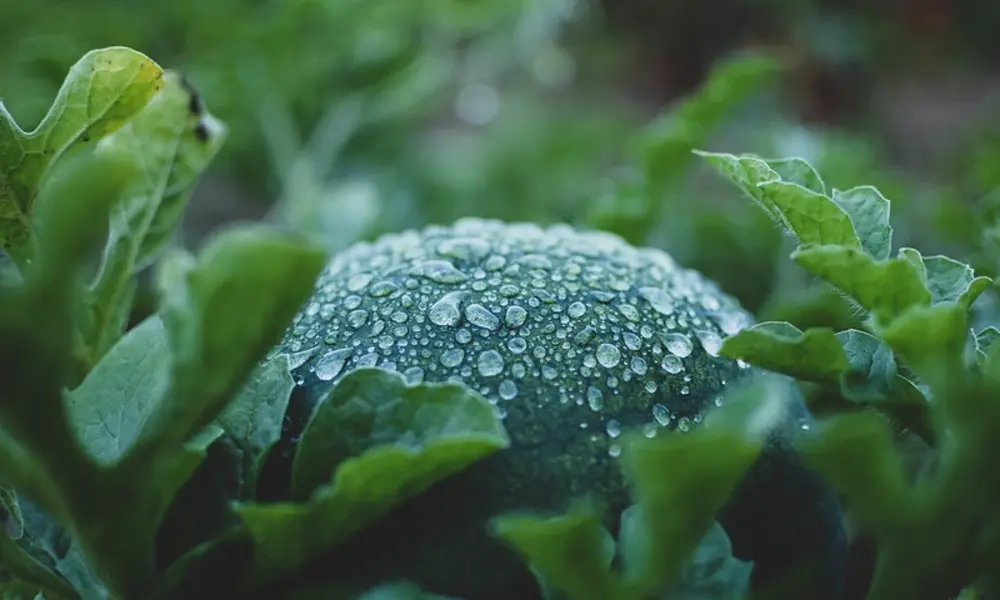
747,172
949,280
400,440
887,288
254,418
814,355
798,171
570,554
110,408
369,407
174,139
872,366
869,212
813,218
222,314
101,92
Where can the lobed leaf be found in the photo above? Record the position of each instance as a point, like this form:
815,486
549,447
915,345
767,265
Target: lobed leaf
869,212
798,171
812,217
174,139
747,172
887,288
814,355
101,92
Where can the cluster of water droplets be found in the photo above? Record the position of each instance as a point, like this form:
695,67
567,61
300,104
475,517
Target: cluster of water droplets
522,313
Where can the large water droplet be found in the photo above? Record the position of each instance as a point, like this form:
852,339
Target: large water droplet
441,271
332,363
576,310
517,345
507,389
613,428
357,318
478,315
452,357
661,415
608,355
515,316
490,363
595,398
446,312
671,364
359,282
710,341
678,344
638,365
658,299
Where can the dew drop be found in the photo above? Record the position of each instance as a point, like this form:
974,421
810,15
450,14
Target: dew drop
613,428
442,271
479,316
710,341
413,375
359,282
517,345
661,415
671,364
515,316
678,344
658,299
576,310
332,363
608,356
490,363
638,365
463,336
445,312
614,450
507,389
452,357
632,341
357,318
595,398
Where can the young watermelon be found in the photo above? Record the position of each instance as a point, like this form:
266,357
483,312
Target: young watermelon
573,336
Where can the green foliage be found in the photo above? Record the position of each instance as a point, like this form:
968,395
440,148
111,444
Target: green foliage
383,442
911,365
669,544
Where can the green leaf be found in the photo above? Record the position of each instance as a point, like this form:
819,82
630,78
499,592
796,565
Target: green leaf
887,288
10,514
812,217
101,92
398,440
869,212
798,171
872,366
928,338
856,454
110,408
394,591
712,572
570,553
949,280
255,417
681,481
26,568
747,172
372,406
815,355
174,139
222,313
984,341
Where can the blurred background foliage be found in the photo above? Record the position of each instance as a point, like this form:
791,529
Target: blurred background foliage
354,117
350,118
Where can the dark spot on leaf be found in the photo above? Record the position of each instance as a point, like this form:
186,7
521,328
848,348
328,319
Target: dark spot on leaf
194,104
201,132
